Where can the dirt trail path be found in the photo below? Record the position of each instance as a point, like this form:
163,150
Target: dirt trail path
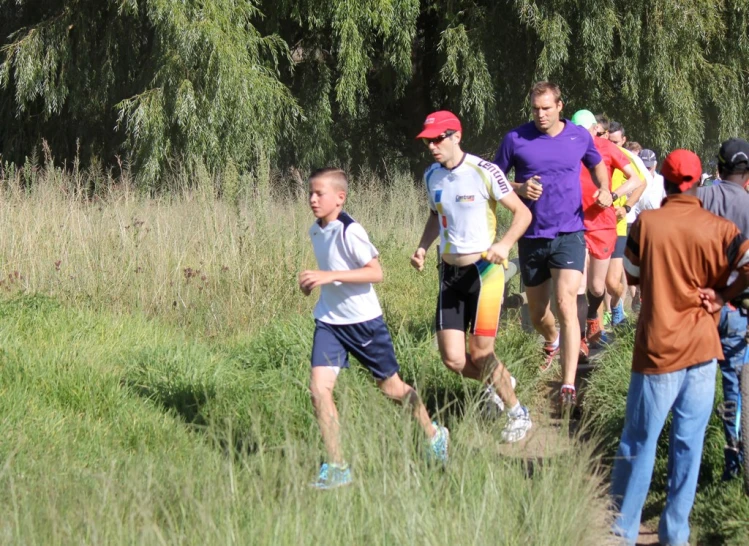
551,434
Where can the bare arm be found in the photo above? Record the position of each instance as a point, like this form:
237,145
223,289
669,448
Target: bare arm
600,176
371,272
633,195
738,287
632,183
734,290
521,219
431,232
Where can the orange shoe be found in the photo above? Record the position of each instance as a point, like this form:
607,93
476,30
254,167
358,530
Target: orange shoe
584,352
593,331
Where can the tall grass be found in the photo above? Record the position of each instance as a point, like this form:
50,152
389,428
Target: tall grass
193,260
121,430
153,369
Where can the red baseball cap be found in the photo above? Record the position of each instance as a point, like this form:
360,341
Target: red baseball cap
682,168
439,122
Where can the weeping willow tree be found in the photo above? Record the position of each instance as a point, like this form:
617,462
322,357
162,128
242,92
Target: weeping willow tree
676,73
191,80
310,82
366,72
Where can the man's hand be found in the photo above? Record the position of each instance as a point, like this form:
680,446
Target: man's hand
531,188
497,253
621,213
311,279
417,260
603,198
711,300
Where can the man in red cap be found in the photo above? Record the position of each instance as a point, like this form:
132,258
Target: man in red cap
673,253
463,191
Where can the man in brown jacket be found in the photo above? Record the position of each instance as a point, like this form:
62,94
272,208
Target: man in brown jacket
673,253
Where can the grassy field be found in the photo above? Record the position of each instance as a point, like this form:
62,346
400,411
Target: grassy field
153,371
153,386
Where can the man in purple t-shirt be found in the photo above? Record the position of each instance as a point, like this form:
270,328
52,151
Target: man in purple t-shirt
546,155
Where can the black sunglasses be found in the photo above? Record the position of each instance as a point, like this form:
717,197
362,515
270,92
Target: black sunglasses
439,139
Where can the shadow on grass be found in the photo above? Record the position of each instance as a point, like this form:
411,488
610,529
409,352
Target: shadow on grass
189,403
446,403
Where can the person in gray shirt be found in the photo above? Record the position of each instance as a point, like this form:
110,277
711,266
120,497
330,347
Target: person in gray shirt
730,199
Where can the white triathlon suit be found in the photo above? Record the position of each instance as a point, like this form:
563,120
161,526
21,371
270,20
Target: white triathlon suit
465,198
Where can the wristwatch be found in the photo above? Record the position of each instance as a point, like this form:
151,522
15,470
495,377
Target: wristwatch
627,208
614,196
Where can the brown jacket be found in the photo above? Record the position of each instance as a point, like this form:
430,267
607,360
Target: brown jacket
672,252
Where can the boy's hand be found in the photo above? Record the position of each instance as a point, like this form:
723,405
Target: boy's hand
621,213
417,260
311,279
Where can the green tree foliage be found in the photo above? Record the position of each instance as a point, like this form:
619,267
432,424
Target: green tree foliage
308,82
673,71
191,80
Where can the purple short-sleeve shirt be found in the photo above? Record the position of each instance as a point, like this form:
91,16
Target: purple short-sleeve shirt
557,160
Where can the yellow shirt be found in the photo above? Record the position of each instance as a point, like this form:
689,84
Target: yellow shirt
617,179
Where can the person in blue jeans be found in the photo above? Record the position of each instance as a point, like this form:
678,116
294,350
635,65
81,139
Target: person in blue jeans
683,258
732,331
731,201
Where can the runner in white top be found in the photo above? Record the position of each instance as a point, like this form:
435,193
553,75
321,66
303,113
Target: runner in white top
651,199
463,194
348,319
466,210
343,245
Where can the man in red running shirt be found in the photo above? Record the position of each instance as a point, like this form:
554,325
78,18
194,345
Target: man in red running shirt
600,230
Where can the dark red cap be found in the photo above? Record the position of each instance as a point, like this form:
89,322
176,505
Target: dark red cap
439,122
682,168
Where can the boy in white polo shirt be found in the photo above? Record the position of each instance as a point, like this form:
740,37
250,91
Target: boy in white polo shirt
348,319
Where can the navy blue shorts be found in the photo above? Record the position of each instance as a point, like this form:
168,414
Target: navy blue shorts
539,256
621,243
369,342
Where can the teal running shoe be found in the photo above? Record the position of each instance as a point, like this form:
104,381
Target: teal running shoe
332,476
437,451
617,314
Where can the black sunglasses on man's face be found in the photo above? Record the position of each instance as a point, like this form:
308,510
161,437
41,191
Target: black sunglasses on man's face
438,139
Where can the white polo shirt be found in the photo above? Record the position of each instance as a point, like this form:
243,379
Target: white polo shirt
653,196
649,185
465,198
344,245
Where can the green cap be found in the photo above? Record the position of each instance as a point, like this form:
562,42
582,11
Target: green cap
584,118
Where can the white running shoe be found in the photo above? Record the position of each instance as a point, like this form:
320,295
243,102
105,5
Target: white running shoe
493,404
517,426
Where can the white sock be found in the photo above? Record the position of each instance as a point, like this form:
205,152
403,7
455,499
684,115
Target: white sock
516,409
555,343
569,387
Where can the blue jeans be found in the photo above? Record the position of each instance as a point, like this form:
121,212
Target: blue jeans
732,331
688,394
